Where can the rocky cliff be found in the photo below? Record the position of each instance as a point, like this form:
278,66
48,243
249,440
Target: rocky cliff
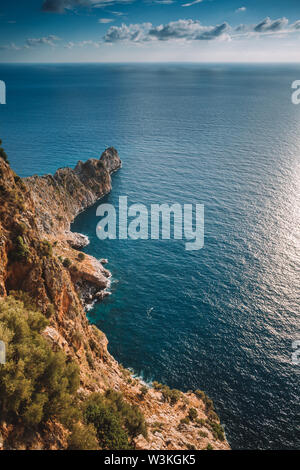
39,256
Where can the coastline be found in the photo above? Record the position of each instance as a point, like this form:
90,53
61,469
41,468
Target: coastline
56,276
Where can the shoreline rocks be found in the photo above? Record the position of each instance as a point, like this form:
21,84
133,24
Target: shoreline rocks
59,199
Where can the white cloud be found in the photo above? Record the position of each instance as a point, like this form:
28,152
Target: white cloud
192,3
163,2
49,41
271,25
240,10
60,6
193,30
88,43
130,33
117,13
105,20
11,46
187,30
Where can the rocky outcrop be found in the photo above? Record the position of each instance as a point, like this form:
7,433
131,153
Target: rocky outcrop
35,244
59,198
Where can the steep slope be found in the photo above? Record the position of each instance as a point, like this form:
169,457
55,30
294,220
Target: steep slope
37,256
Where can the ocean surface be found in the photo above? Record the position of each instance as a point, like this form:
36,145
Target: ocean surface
221,319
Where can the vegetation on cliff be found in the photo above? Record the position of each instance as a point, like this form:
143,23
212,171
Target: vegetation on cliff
116,421
36,384
2,153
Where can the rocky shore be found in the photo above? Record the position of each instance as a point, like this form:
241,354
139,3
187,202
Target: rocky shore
40,257
65,194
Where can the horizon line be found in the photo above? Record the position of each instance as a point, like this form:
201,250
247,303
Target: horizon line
152,62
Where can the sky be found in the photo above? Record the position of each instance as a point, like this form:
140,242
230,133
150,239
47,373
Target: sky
150,31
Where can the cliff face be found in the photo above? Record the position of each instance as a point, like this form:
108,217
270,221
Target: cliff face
59,198
37,256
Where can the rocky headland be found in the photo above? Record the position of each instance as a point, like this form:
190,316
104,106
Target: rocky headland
40,256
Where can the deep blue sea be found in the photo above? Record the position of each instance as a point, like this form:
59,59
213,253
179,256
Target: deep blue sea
221,319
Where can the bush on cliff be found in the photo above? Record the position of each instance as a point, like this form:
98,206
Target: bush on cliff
133,418
207,401
116,421
45,249
81,257
28,302
2,153
21,251
67,263
83,437
192,414
143,392
217,431
35,383
169,395
109,429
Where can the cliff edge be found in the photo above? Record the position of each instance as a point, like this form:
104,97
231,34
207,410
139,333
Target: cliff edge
40,257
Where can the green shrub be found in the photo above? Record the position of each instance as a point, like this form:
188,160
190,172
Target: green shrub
81,256
25,298
50,311
190,446
185,420
174,396
200,422
209,447
67,263
116,421
200,394
3,154
157,426
108,425
217,431
192,414
207,401
36,384
133,418
45,249
212,416
17,179
83,437
169,395
92,344
143,391
90,360
209,404
21,229
21,251
157,385
203,434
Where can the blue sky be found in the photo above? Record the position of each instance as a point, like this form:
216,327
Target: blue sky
149,30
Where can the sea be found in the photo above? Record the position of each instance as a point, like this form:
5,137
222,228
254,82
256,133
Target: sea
223,319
